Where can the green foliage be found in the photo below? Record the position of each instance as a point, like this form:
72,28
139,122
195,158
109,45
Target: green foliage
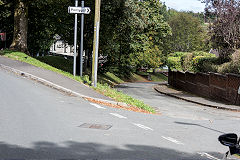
229,67
58,62
225,27
86,80
132,33
204,64
158,77
177,54
192,61
233,66
6,20
174,63
42,30
136,35
188,33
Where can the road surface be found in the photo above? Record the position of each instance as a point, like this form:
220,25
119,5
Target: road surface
37,122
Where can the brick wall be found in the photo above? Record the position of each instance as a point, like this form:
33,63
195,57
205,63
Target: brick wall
212,85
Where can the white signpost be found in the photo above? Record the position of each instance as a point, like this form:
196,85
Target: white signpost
78,10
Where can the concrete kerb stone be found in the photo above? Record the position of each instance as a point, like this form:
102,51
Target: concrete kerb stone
188,100
58,87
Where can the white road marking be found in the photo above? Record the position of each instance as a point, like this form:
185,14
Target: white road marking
97,106
173,140
203,154
118,115
143,127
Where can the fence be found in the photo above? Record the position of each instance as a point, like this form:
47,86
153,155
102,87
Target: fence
211,85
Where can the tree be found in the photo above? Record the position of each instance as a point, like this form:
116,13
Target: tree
33,27
226,26
151,39
188,33
6,19
56,21
20,26
133,34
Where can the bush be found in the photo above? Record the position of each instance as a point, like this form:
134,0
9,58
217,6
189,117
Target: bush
174,63
195,62
204,64
233,66
186,61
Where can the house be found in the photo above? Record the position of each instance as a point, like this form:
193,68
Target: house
62,48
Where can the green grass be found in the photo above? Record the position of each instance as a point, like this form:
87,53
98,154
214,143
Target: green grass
102,88
67,65
110,79
121,97
28,59
158,77
155,77
136,78
58,62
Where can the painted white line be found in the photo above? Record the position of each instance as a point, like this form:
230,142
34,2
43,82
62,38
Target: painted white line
118,115
203,154
173,140
143,127
97,106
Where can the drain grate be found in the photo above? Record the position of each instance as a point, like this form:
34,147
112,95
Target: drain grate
95,126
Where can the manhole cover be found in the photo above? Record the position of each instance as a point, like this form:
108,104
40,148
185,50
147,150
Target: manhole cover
95,126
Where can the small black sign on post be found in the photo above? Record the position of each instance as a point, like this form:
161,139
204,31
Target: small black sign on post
3,38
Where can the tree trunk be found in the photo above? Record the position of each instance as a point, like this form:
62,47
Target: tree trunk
19,42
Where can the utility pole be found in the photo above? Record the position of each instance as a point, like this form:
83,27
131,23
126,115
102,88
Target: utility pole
96,42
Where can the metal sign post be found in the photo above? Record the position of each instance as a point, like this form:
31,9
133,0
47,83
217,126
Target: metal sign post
81,46
78,10
75,41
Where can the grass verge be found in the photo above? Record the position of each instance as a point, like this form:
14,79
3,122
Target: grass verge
105,89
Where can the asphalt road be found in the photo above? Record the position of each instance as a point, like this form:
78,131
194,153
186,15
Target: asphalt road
173,107
37,122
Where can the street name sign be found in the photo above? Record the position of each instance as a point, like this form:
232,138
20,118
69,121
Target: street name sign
79,10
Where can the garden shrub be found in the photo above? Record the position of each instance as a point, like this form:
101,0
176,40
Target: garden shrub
186,62
204,64
177,54
174,63
198,61
233,66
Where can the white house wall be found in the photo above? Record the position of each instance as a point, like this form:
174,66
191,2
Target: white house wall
59,47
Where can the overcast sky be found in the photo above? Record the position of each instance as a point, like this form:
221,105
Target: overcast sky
185,5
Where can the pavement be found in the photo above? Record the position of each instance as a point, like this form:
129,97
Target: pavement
70,86
164,88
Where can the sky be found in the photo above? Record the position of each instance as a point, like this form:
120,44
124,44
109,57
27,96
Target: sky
185,5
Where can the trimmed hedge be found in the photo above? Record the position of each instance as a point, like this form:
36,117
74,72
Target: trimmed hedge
192,61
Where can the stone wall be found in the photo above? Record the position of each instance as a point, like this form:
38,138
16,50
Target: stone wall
211,85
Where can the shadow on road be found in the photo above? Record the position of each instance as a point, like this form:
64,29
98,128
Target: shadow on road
125,86
74,150
193,124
